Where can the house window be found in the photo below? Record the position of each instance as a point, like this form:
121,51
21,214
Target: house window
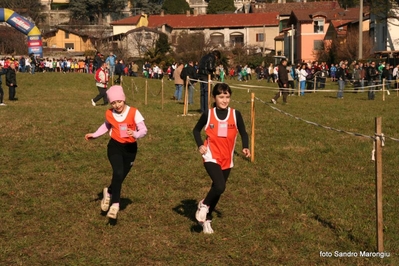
70,46
318,45
260,37
66,35
318,26
174,39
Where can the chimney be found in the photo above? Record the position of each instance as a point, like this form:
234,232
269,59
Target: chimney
195,12
188,13
162,13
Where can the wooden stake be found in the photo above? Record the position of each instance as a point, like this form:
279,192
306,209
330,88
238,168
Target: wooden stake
185,109
146,90
383,89
252,127
378,184
162,93
209,91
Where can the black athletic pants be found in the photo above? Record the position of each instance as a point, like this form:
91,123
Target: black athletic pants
219,178
121,156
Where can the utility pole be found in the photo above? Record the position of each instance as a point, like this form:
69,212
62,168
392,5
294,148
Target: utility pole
292,43
361,30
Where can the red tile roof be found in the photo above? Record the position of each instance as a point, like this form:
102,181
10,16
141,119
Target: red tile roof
206,21
335,14
127,21
286,8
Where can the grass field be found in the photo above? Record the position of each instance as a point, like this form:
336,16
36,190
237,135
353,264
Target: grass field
309,189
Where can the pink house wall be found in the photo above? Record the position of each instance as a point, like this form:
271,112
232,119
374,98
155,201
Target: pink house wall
306,40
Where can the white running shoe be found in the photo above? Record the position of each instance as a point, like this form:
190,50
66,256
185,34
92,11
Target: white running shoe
3,104
206,226
92,102
113,211
105,201
273,101
202,211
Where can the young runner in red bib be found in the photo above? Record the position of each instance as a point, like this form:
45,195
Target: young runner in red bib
221,125
125,125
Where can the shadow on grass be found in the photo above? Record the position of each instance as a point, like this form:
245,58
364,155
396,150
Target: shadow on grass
187,208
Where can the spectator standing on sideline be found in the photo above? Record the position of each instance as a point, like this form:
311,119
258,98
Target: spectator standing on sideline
190,72
207,66
135,69
97,61
372,79
119,71
33,63
221,124
341,77
302,78
111,62
333,70
291,78
11,82
101,78
2,72
22,64
178,82
282,81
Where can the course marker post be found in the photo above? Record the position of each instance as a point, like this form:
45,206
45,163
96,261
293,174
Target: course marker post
252,127
185,109
378,184
383,89
146,91
162,93
209,91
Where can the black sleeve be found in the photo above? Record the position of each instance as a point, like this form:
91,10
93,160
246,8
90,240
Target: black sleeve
198,127
242,131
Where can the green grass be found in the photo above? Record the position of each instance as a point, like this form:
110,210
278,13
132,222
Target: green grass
309,189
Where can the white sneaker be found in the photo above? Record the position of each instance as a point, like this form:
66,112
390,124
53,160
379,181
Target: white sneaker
113,212
105,201
3,104
93,103
206,226
274,101
388,92
202,211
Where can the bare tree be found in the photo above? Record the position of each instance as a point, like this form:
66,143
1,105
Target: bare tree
341,48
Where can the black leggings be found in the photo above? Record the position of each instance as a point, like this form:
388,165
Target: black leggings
219,178
121,156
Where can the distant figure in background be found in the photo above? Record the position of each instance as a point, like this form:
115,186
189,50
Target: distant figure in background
207,66
178,82
191,72
341,77
101,78
111,61
11,82
282,81
2,72
119,71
